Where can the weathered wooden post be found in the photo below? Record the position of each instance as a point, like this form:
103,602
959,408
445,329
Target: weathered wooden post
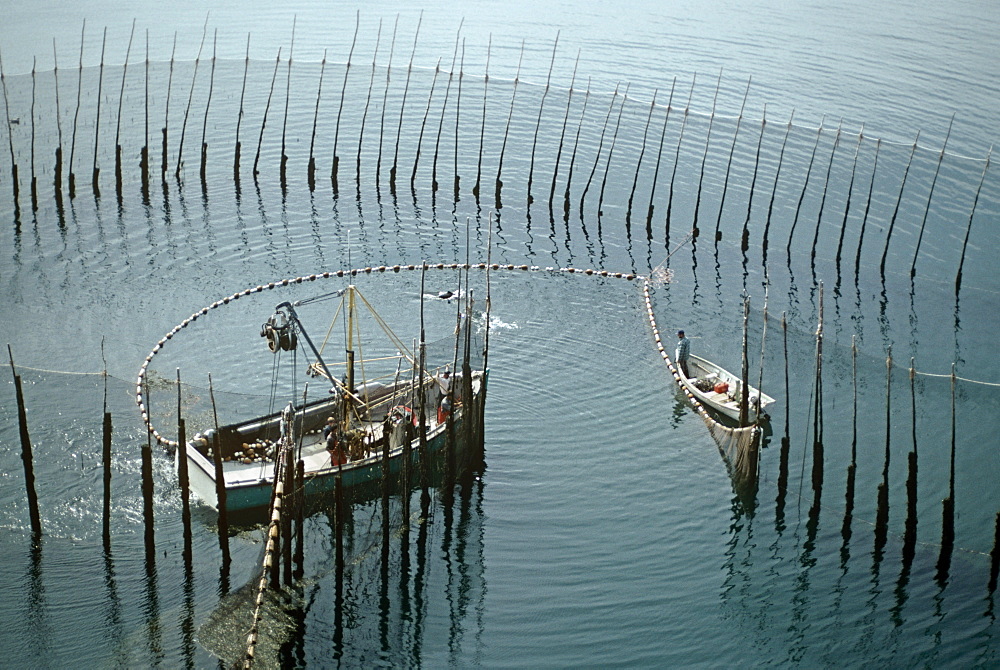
802,194
729,163
183,479
239,119
538,123
147,486
968,228
506,132
745,239
868,204
704,156
26,458
899,199
948,504
826,186
774,187
930,196
343,92
204,125
220,480
882,507
642,153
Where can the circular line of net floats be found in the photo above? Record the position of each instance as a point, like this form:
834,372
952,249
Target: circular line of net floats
144,411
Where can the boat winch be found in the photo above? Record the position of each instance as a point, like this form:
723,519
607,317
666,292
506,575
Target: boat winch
279,333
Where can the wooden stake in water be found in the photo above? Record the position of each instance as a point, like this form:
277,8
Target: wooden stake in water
121,98
166,113
368,100
182,474
850,190
576,145
144,152
10,134
852,468
239,119
423,126
995,557
282,169
882,508
263,122
76,115
642,153
805,185
774,187
600,146
34,179
659,156
95,185
968,228
208,104
220,480
868,204
611,151
425,497
817,472
106,462
402,107
458,114
910,533
562,133
930,195
57,175
538,123
187,111
785,442
482,128
745,239
340,110
948,504
826,184
311,169
704,156
729,163
506,131
26,458
444,107
385,100
899,199
677,158
147,486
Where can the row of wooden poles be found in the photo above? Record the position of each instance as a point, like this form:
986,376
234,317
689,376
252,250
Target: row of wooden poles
881,525
145,161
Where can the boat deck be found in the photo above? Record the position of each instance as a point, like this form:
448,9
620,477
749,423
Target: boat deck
314,456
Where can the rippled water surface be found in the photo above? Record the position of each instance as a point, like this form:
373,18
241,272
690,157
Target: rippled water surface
604,529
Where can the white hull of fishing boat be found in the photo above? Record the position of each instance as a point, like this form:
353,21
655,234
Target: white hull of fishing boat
706,377
249,484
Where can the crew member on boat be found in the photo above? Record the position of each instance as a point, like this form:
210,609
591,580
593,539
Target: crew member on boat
683,352
444,401
331,435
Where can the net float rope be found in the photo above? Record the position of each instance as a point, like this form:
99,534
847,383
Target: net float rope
139,394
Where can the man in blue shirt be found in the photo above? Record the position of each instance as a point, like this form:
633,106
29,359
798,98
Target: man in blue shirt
683,352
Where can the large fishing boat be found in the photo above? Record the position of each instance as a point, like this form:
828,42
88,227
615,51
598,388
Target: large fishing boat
395,421
721,391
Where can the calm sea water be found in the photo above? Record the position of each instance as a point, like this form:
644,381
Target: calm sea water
605,530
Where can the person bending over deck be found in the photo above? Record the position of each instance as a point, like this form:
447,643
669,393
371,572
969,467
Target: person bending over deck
683,352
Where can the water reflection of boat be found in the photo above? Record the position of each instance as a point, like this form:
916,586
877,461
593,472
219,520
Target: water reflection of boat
363,427
721,391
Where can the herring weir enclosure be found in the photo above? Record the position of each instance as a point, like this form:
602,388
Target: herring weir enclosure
596,178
